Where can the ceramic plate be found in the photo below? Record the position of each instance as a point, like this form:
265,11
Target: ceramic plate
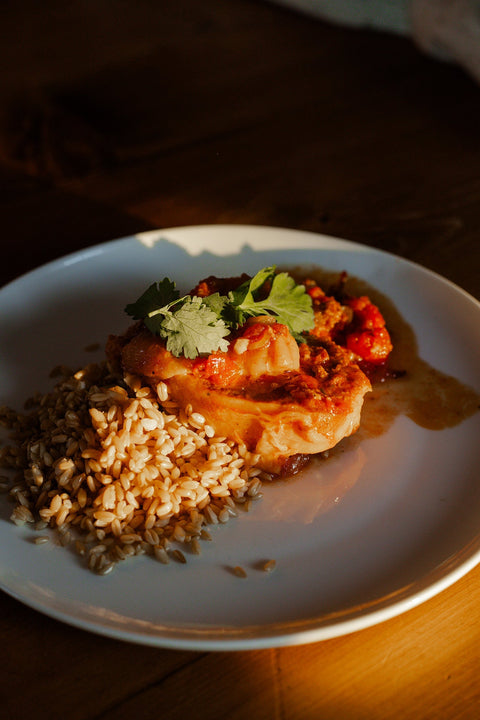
379,527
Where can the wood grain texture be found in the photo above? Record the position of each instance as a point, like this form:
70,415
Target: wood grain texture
119,117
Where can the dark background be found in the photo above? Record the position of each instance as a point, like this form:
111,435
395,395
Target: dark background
117,116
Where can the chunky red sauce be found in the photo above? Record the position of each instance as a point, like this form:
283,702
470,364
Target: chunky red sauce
405,384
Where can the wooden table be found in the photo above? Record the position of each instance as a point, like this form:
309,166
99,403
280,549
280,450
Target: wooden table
120,117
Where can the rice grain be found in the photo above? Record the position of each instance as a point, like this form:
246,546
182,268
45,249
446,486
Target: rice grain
119,469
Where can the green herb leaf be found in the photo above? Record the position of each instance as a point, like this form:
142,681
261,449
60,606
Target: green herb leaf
193,329
289,302
194,325
156,296
216,303
248,291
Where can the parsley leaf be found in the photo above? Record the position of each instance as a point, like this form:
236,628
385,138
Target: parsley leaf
216,303
248,291
289,302
190,325
193,329
193,325
156,296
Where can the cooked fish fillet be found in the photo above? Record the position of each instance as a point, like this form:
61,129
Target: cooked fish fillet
283,401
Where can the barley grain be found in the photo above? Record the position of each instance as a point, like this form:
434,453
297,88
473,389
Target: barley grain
179,556
269,566
239,571
122,467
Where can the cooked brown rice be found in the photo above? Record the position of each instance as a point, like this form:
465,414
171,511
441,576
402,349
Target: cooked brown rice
118,470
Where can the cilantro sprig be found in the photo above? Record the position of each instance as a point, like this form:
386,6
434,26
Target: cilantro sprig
193,325
289,302
190,325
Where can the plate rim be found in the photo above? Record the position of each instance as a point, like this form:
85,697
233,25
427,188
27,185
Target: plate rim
102,246
223,640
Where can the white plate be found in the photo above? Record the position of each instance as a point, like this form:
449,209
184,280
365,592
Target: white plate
368,534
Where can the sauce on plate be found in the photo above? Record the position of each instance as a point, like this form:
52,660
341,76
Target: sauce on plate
410,386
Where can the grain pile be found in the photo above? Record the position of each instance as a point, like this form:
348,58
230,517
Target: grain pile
118,470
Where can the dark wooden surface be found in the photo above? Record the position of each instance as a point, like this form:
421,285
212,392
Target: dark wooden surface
117,117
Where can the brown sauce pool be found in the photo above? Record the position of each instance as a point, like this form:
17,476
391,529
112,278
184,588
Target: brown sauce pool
429,397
